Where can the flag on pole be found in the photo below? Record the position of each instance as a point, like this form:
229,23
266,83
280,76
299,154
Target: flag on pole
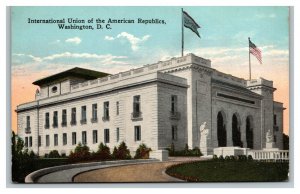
255,51
190,23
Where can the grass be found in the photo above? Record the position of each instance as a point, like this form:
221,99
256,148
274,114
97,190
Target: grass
36,164
230,171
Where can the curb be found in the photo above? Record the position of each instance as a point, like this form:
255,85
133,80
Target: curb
32,177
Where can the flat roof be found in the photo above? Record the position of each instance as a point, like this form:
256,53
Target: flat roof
74,72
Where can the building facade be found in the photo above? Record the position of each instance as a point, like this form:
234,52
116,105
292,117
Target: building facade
157,104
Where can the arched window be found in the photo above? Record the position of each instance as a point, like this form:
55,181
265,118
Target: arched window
54,89
221,130
236,131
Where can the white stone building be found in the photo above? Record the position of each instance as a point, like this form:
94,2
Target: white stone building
156,104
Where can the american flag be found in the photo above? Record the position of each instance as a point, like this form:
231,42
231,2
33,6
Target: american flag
255,51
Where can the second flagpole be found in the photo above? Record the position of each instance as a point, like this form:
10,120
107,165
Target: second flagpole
182,40
249,59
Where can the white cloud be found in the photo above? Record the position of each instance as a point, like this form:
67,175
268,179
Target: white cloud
75,40
109,38
133,40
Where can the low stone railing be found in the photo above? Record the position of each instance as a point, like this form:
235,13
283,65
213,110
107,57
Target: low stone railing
269,154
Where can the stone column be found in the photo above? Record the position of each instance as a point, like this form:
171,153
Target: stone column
229,142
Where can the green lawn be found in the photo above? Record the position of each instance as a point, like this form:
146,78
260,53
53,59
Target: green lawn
230,171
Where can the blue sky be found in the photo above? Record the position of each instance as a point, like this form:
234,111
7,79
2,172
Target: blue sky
221,27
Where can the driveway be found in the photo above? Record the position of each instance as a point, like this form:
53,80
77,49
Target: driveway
151,172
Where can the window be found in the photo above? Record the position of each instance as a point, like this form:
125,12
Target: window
137,114
94,113
55,140
26,141
47,140
118,134
64,118
117,107
83,115
106,135
137,133
73,116
40,141
174,132
30,141
27,129
74,138
275,120
95,136
106,111
65,140
54,89
136,104
84,137
55,119
173,104
47,121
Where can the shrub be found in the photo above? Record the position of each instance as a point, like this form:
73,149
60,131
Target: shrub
232,157
142,152
227,158
215,157
122,152
53,154
103,152
196,152
221,158
249,157
81,153
242,158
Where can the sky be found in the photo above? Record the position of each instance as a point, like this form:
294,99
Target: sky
39,50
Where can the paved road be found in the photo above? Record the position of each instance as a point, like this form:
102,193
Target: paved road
153,172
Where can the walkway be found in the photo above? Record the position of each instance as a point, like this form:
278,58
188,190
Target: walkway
149,171
153,172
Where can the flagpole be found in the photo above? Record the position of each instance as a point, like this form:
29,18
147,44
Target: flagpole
182,41
249,59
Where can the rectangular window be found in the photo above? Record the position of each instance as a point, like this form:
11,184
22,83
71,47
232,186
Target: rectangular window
28,121
65,139
64,118
30,141
173,104
106,111
40,141
55,119
83,115
47,140
26,141
118,134
94,113
74,138
47,121
73,116
27,129
55,140
106,135
95,136
137,133
275,120
84,137
117,107
174,132
136,104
